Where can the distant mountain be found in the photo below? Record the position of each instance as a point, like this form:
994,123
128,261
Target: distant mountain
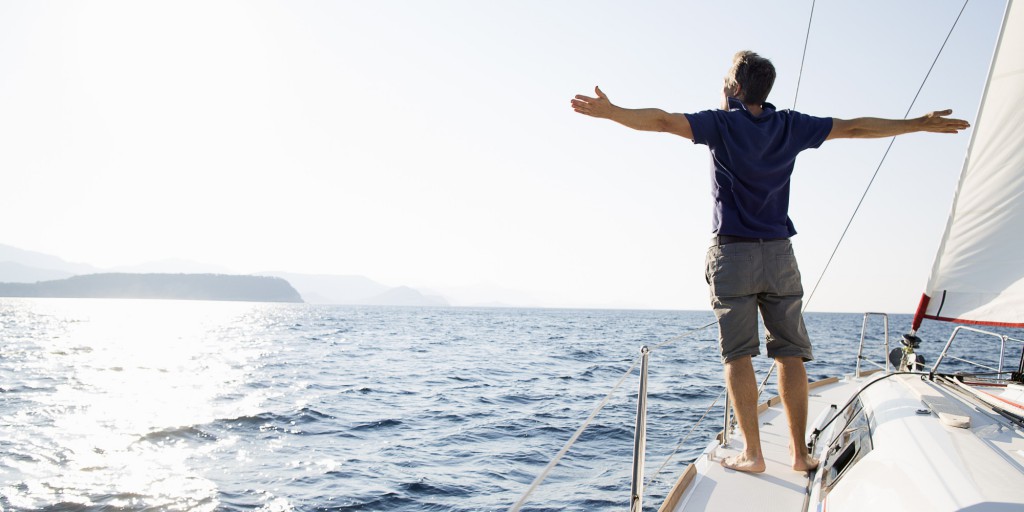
11,272
36,262
405,296
485,295
160,286
329,289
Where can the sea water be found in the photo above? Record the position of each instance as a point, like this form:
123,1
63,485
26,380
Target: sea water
188,405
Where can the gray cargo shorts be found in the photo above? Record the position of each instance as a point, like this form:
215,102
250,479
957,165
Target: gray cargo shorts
749,276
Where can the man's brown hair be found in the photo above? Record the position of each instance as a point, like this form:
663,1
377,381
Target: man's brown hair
754,74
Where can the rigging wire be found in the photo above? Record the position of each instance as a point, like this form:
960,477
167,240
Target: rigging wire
856,210
886,154
803,57
572,440
877,169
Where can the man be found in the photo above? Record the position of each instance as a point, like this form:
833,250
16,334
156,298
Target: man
750,265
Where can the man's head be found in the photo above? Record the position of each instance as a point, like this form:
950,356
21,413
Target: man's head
750,78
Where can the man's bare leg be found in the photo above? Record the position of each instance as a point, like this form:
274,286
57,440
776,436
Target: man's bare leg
742,386
793,390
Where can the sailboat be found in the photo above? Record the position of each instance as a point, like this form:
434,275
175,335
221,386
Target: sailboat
908,436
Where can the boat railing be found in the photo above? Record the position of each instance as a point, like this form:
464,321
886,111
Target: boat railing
998,371
637,486
863,334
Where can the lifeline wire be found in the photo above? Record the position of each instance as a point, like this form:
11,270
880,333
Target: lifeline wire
558,457
654,477
572,440
891,142
681,336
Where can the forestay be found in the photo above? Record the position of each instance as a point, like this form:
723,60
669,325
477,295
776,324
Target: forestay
978,274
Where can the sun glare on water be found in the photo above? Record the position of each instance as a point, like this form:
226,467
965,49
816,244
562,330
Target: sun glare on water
106,393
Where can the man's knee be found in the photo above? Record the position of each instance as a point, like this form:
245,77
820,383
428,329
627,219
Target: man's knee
790,360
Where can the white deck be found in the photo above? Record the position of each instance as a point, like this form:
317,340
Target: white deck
779,487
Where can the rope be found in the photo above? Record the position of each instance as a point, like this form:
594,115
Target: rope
877,169
572,440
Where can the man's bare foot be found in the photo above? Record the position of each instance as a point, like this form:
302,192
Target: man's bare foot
805,463
745,464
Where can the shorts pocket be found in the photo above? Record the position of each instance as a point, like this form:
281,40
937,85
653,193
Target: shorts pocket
728,274
788,276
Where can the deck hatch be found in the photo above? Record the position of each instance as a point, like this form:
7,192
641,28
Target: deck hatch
851,444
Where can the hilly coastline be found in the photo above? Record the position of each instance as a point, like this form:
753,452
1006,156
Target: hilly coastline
219,287
33,274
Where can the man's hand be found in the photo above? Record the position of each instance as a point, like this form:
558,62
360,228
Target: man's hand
595,107
937,122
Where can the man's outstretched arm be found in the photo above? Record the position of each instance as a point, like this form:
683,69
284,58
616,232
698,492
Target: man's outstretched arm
873,127
646,119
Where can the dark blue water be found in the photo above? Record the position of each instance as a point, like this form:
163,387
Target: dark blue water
161,405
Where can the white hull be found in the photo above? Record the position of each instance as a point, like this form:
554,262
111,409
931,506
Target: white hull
928,448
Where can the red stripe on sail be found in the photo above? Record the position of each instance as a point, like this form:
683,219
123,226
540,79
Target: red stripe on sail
972,322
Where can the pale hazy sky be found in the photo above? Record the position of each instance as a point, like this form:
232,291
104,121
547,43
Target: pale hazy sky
432,143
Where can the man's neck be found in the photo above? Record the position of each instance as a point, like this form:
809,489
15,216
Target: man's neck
732,101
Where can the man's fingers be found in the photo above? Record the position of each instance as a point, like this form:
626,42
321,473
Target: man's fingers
591,106
942,124
581,104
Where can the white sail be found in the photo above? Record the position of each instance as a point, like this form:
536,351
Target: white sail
978,274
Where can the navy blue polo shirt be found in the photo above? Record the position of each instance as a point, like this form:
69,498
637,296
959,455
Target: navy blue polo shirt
752,159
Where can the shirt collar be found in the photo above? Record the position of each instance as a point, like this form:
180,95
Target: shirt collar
735,104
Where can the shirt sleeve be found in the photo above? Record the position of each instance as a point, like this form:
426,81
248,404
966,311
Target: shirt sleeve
813,130
703,126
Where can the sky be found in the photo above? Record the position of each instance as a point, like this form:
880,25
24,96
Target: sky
431,144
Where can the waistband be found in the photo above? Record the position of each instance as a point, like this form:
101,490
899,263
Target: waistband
729,239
